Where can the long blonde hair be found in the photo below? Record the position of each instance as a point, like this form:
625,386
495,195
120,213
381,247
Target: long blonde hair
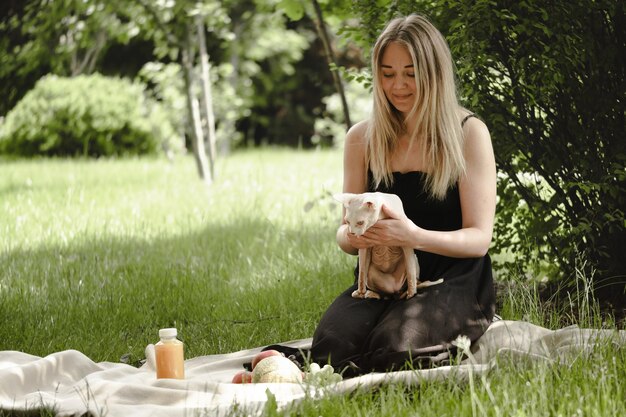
436,108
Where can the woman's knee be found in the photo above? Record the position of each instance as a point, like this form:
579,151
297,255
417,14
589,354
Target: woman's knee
400,338
333,348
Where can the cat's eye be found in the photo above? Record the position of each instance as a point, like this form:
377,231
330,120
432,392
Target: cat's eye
360,223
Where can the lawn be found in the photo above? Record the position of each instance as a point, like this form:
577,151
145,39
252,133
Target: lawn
98,255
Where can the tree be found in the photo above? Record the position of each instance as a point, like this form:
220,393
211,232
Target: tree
178,31
276,76
69,38
330,55
296,9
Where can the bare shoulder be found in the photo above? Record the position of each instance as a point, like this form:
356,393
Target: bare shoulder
474,127
357,134
355,159
476,136
356,143
478,148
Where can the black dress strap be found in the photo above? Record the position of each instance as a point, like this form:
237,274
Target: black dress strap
467,117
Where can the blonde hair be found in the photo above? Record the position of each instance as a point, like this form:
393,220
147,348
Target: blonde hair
435,110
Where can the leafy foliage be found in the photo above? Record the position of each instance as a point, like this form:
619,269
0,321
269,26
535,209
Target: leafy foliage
549,79
166,87
85,115
282,79
60,37
294,9
268,71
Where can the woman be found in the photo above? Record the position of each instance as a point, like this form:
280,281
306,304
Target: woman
420,144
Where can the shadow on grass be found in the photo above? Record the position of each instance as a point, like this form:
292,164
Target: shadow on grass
226,287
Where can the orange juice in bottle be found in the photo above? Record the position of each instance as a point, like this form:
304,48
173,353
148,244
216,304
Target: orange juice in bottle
170,357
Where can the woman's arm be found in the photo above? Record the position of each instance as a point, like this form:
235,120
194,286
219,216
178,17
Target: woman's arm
354,176
477,191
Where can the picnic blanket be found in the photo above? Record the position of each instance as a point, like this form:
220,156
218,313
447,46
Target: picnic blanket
70,383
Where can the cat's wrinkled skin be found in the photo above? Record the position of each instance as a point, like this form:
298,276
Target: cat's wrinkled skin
381,270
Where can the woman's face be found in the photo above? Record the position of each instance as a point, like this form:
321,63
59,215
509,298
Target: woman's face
398,77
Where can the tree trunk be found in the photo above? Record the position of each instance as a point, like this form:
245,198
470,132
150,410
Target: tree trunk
199,150
330,56
207,95
197,135
86,63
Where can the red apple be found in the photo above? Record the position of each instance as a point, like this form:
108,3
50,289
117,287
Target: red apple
263,355
242,377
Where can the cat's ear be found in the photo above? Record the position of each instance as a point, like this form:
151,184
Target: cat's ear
370,202
343,198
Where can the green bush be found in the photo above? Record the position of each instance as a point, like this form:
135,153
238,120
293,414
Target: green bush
88,115
549,79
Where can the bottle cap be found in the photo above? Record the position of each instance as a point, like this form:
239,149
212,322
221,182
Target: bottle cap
170,332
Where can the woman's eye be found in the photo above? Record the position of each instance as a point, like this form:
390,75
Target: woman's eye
412,75
387,75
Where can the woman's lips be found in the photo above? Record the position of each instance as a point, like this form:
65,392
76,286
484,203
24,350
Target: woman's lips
402,97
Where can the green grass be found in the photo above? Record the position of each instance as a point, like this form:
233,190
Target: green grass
98,255
592,385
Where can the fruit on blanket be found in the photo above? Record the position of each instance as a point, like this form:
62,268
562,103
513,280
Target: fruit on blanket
322,376
242,377
276,368
265,354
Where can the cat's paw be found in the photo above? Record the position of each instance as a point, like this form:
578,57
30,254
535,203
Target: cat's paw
372,294
358,294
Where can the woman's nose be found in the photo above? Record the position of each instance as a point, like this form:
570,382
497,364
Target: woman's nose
399,82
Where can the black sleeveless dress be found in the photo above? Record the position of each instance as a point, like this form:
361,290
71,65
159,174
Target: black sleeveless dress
380,335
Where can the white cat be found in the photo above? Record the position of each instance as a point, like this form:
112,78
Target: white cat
378,264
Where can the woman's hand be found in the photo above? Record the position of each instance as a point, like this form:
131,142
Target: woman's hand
394,230
356,242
